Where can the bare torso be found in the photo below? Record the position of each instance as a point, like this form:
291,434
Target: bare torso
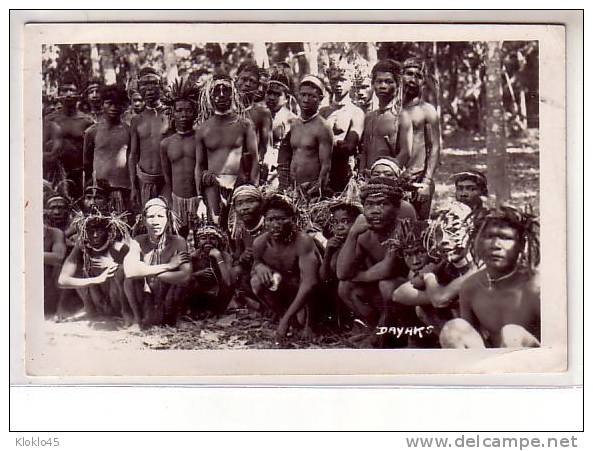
72,128
419,114
378,125
515,300
304,141
111,150
181,154
150,128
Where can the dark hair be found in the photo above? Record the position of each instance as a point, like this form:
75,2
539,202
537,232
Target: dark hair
249,66
276,202
69,79
384,186
386,65
350,209
116,93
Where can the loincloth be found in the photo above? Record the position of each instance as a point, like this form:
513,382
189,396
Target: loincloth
150,184
184,207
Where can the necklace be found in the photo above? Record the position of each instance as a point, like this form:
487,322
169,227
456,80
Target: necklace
493,280
309,119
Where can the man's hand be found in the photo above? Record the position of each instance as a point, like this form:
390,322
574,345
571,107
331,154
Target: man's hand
134,196
178,260
209,179
215,253
246,258
107,274
264,274
205,276
360,225
334,243
282,329
102,262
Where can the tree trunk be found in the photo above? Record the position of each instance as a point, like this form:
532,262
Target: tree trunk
311,53
170,63
109,76
498,179
260,54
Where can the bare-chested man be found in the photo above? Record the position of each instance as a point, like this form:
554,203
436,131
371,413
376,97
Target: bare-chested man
426,147
363,92
93,267
277,97
387,130
54,251
346,121
53,171
226,146
304,159
178,154
73,124
91,99
248,83
500,305
364,263
136,107
147,130
286,266
107,148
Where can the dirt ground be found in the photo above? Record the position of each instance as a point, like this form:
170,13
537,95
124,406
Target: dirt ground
244,330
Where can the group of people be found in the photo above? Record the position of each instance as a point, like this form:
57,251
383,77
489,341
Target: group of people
312,206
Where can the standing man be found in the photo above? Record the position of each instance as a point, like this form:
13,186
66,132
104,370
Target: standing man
305,155
248,83
178,154
426,145
226,145
147,130
73,124
92,99
107,148
347,123
388,131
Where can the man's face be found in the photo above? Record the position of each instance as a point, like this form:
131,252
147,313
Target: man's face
380,212
247,82
93,96
183,115
382,170
248,208
416,258
340,86
137,103
500,246
309,99
111,109
279,223
275,97
149,87
413,79
384,85
97,235
95,199
363,93
208,242
341,222
156,220
468,192
262,88
69,94
58,211
222,97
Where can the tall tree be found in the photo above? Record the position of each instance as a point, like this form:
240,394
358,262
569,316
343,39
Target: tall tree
498,179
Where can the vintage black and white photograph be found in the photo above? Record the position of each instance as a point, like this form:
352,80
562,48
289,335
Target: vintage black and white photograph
290,195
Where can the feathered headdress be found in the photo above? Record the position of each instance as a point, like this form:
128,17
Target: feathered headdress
408,234
453,224
206,107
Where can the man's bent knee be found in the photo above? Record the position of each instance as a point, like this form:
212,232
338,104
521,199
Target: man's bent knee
459,334
515,336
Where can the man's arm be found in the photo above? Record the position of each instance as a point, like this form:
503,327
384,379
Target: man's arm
362,155
67,279
284,162
201,161
251,152
379,271
309,270
326,142
465,302
166,167
135,268
52,152
440,295
58,249
134,155
88,151
264,133
405,139
352,138
432,131
346,266
182,274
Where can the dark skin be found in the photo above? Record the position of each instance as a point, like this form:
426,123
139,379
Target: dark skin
514,299
342,220
248,84
295,259
178,153
147,130
209,255
107,147
310,146
381,136
249,211
52,143
54,251
468,192
426,128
